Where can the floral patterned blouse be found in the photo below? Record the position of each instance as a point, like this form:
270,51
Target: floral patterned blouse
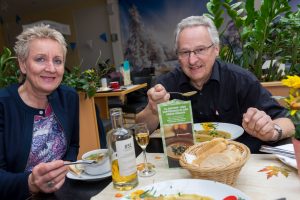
48,140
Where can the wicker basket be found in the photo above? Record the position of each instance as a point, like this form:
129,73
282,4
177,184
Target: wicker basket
226,175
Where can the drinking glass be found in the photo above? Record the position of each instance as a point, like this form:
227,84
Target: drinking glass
141,134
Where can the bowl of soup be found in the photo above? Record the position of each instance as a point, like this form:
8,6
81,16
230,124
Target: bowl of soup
101,165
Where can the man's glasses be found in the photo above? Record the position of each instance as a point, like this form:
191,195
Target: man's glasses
197,52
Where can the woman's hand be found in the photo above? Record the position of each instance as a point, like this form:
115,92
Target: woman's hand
47,177
258,124
157,95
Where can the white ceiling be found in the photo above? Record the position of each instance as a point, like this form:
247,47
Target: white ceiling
13,7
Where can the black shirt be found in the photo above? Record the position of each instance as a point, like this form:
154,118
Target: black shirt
225,97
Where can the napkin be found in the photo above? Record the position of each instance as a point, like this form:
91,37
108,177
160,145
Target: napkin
289,161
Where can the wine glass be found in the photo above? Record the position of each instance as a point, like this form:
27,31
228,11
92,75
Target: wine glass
141,134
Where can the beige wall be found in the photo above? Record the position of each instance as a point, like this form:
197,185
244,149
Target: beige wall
62,14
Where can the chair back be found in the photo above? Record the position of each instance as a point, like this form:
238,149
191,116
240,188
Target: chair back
143,79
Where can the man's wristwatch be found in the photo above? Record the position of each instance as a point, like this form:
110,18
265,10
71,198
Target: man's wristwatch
279,131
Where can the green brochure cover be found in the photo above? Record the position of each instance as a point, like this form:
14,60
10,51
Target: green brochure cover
176,126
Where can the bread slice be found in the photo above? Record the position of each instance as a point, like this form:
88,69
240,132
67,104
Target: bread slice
233,152
76,169
216,160
216,145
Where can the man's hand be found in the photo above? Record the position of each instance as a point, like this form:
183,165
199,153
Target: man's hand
258,124
157,95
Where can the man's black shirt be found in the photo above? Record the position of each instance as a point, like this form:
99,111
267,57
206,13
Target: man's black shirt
225,97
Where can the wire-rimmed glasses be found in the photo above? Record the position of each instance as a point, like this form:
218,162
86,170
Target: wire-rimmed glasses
197,52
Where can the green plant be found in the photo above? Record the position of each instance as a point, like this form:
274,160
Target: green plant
87,81
290,39
9,71
263,34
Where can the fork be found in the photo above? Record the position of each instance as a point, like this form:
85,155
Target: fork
275,150
185,94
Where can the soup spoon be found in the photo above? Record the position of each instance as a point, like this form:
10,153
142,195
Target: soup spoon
185,94
87,162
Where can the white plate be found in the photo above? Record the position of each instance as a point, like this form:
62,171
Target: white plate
107,89
235,130
87,177
289,161
212,189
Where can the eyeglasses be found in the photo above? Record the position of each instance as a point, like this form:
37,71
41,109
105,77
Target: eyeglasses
197,52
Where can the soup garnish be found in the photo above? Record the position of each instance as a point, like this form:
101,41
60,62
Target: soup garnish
209,132
95,156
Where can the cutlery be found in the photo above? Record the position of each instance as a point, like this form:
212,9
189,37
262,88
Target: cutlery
275,150
86,162
185,94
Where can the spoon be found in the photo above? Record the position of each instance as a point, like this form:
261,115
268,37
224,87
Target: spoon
87,162
185,94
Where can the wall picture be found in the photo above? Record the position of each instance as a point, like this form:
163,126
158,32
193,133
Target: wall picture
147,30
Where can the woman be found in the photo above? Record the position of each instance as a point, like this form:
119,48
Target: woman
39,118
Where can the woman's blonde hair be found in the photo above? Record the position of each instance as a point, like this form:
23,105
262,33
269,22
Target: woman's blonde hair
37,32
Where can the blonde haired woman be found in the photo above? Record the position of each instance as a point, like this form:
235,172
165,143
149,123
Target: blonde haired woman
39,118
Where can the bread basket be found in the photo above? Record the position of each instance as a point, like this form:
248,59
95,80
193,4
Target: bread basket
227,175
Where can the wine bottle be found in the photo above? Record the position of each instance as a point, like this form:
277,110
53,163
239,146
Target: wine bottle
122,153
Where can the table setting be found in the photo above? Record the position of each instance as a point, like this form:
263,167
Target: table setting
260,176
254,184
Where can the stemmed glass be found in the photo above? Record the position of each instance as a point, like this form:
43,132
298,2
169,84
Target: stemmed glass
141,134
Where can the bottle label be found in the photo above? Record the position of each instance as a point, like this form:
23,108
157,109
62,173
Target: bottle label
126,157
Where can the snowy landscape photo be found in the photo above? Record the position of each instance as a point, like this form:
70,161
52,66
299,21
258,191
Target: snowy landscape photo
147,30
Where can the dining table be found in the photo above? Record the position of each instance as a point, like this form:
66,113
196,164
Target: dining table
251,181
102,98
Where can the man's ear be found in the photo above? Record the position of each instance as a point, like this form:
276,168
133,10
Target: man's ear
22,66
217,50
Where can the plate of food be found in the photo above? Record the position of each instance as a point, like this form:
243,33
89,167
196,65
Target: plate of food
192,189
206,131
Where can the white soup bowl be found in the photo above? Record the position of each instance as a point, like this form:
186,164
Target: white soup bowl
101,167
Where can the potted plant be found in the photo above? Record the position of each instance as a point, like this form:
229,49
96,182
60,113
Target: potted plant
87,81
9,71
293,105
269,33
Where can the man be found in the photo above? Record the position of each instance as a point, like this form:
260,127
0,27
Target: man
226,93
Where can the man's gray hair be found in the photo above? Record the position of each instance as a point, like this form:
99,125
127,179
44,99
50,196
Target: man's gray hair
194,21
37,32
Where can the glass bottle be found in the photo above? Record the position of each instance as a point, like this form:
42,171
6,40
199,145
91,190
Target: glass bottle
122,154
